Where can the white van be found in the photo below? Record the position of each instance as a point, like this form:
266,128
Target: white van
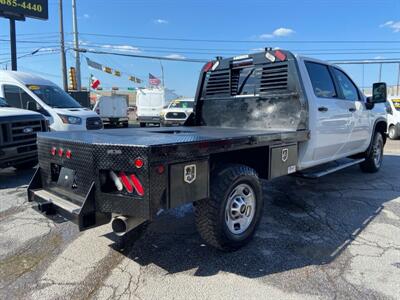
113,110
28,91
394,117
149,103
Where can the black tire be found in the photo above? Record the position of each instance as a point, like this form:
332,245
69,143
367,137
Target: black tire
142,124
211,213
125,124
27,165
393,135
374,156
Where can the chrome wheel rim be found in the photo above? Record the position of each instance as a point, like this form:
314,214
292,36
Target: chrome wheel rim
377,153
240,208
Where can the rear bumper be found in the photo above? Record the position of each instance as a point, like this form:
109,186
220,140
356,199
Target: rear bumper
11,156
144,119
85,215
109,120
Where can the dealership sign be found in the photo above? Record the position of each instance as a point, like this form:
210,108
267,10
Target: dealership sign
37,9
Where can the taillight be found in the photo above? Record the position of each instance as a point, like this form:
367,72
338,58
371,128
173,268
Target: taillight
207,66
68,154
137,185
53,151
280,55
138,163
60,152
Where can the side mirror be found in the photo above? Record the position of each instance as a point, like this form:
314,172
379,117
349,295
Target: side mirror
379,93
31,105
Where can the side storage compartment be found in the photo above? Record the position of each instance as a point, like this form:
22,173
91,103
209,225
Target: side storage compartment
283,160
189,181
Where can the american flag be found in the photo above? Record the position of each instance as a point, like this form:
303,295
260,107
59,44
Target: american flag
153,80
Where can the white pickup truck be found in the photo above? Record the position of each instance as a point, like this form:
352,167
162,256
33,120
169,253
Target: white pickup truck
257,116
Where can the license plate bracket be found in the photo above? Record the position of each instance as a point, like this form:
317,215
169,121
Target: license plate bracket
66,178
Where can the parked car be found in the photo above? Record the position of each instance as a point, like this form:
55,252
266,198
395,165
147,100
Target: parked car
394,118
177,112
113,110
28,91
257,116
18,129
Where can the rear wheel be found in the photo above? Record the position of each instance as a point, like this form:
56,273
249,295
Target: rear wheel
229,218
374,157
393,135
142,124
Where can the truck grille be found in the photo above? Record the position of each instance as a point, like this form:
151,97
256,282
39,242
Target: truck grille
94,123
21,132
175,115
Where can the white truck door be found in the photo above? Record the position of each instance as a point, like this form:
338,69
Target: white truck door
360,134
334,122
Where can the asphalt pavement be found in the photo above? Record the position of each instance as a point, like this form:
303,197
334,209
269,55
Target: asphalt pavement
337,237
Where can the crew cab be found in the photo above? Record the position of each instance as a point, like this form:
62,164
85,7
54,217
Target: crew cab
257,116
18,129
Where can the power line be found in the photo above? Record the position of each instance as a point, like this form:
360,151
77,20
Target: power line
192,60
244,41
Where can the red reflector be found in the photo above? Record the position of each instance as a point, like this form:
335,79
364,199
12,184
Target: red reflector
280,55
207,66
60,152
125,182
137,185
53,151
138,163
160,169
68,154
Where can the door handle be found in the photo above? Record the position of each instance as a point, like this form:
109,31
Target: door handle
352,109
322,108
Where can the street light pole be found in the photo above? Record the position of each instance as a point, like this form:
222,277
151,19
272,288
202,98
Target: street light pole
62,48
76,46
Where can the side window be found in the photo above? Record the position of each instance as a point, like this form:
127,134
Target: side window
25,98
17,97
348,88
11,93
321,80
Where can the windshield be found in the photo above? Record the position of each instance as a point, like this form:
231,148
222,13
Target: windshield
3,102
396,104
54,96
181,104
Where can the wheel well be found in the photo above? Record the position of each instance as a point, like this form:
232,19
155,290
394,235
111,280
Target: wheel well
381,127
256,158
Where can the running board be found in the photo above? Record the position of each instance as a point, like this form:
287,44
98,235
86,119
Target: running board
320,173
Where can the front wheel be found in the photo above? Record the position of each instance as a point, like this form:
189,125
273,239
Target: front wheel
229,218
374,157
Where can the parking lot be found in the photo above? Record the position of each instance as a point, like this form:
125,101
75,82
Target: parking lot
337,237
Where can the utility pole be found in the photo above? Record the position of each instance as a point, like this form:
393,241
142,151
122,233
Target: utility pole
380,73
13,41
76,46
62,48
